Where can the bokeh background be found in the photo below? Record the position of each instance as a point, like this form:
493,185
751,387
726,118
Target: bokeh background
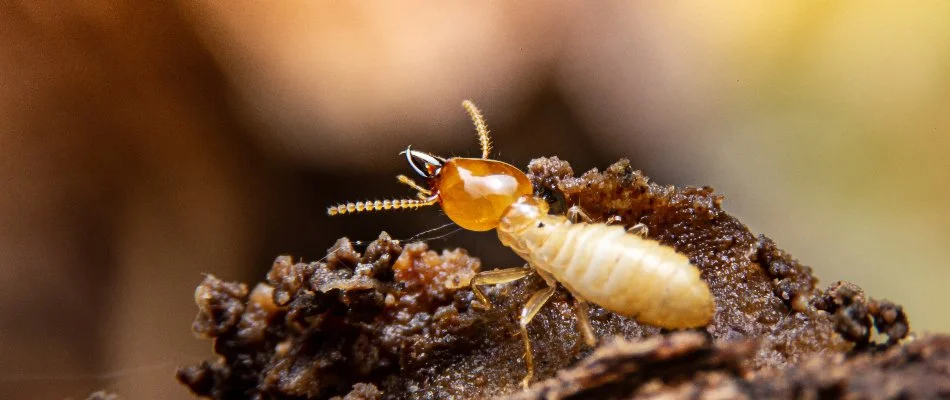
143,144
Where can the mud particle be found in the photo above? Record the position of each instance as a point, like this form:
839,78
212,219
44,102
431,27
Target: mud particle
220,306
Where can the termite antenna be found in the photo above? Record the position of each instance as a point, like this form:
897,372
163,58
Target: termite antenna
379,205
480,126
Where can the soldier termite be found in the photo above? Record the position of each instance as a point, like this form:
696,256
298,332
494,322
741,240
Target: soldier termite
597,262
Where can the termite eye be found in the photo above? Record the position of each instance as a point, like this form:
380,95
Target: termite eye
476,192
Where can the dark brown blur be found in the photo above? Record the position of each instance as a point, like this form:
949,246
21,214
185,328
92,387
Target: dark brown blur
143,144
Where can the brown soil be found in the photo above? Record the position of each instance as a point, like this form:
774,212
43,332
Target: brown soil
398,322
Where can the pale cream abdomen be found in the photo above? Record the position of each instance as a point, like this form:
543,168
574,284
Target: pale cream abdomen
622,272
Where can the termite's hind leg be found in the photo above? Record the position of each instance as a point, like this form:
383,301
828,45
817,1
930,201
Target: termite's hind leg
531,309
496,277
583,323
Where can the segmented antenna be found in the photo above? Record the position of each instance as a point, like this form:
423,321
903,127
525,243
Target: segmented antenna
483,139
379,205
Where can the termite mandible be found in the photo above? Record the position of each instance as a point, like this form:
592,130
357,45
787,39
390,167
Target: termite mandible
597,262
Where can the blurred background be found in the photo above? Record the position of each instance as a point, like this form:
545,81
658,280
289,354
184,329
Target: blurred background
144,144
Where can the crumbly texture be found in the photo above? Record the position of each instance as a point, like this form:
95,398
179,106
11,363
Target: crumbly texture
687,365
400,321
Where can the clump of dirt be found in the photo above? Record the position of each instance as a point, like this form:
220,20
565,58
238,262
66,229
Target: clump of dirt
690,365
316,329
398,322
854,314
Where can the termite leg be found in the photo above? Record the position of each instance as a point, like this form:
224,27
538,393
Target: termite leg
577,214
496,277
613,220
531,309
583,323
640,230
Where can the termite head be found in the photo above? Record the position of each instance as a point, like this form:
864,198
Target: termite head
473,192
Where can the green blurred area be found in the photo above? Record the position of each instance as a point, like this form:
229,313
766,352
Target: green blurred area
839,131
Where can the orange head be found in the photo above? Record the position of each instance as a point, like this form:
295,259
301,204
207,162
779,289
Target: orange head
473,192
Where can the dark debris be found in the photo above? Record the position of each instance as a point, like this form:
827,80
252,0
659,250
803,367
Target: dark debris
622,366
686,365
854,314
398,322
791,281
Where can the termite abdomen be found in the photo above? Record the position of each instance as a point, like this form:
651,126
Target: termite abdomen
608,266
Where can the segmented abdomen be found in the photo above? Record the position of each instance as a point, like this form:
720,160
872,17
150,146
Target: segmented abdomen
622,272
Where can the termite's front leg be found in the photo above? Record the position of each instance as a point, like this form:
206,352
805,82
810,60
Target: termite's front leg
496,277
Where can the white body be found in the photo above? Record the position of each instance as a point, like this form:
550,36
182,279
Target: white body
605,265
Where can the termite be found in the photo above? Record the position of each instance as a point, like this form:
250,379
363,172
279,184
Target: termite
600,263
